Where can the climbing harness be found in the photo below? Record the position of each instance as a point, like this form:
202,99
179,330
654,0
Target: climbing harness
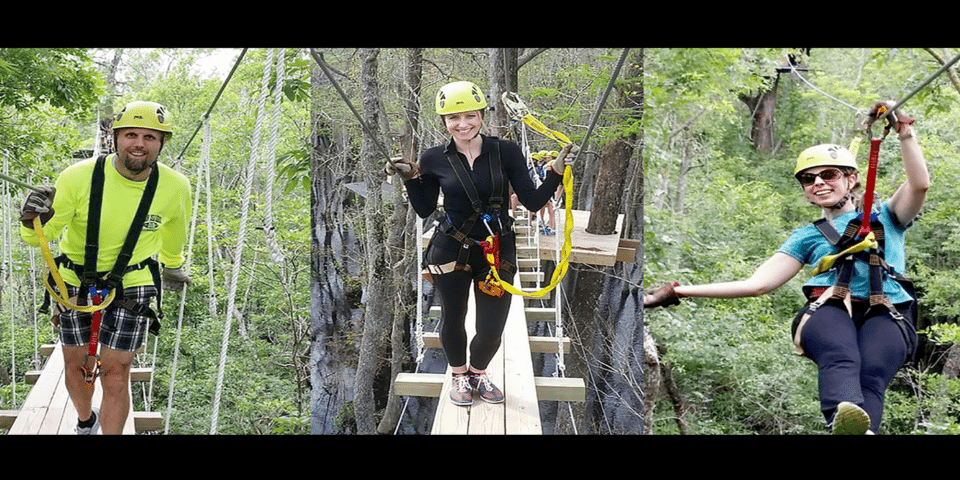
485,212
102,288
862,240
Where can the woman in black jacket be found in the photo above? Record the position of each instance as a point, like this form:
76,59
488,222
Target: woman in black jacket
473,172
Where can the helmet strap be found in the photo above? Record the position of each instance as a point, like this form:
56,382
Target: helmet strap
843,201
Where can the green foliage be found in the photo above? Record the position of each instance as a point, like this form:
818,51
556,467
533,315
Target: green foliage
59,77
922,403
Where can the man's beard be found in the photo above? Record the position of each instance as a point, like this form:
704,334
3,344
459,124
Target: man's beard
137,165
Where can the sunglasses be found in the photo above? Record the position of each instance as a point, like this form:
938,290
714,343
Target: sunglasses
829,175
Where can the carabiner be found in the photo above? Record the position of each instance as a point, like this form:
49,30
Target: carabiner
90,374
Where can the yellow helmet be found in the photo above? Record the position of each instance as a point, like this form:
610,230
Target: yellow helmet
553,153
458,97
823,155
141,114
536,156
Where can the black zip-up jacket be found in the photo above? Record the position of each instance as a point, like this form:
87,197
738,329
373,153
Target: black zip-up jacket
437,175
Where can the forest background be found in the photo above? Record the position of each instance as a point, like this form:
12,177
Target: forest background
707,141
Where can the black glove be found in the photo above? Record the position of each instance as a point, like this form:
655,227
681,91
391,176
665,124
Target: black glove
38,203
663,296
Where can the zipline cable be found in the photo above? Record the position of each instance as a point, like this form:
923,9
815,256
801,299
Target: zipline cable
921,86
216,98
18,182
897,105
318,57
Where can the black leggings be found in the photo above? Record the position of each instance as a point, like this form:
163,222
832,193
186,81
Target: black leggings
453,289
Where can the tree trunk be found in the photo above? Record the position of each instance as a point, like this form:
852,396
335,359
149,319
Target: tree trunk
652,379
406,257
605,312
497,119
762,107
332,373
680,406
376,319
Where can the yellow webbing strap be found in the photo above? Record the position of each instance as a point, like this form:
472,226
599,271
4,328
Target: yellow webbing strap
537,125
854,146
55,273
561,269
518,111
827,262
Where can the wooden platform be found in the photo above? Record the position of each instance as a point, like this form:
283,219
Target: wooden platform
48,410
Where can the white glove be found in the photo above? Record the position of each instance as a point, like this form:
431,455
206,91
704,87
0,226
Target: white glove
407,169
174,279
566,157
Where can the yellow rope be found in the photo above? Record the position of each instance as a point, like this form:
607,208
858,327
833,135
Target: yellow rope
55,273
562,265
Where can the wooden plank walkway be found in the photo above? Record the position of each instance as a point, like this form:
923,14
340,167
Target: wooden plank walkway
511,369
47,410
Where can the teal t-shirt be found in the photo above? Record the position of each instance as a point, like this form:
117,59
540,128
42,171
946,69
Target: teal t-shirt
808,245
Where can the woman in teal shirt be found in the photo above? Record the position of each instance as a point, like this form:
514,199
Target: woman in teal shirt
857,349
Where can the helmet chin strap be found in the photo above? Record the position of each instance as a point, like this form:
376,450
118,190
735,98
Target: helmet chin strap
843,201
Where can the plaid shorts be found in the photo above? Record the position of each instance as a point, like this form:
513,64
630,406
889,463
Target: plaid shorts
120,329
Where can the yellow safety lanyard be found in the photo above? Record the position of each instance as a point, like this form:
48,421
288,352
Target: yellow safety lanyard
518,111
493,283
491,249
55,273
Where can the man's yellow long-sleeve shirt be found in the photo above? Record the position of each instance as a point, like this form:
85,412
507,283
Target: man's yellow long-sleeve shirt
164,229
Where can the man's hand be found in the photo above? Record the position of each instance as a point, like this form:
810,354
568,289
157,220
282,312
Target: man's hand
174,279
38,203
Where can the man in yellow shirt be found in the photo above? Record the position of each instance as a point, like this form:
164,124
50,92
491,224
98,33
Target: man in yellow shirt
130,177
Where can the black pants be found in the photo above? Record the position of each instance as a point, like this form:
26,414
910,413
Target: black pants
453,289
857,357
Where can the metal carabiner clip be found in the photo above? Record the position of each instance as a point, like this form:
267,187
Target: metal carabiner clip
90,374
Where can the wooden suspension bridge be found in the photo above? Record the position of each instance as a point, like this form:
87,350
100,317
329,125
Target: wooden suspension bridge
47,410
512,367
